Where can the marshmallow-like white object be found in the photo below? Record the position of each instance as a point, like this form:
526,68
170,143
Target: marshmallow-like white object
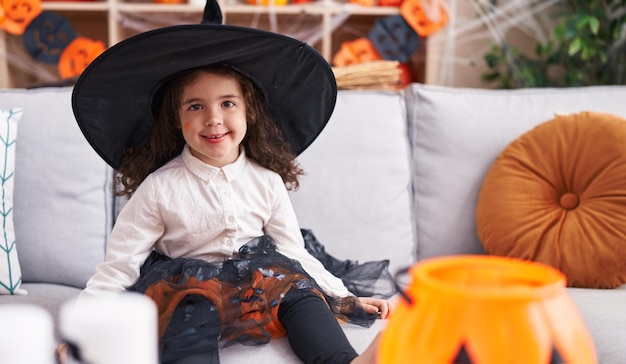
119,329
26,334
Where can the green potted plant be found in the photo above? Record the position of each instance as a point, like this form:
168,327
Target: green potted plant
587,46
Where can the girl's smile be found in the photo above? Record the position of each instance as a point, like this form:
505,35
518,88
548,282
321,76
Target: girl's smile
216,138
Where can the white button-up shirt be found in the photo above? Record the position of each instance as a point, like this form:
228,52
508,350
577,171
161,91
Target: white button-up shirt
190,209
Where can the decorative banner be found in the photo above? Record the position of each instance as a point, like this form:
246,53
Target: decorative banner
389,3
434,9
419,19
364,2
78,55
357,51
15,15
268,2
48,37
394,38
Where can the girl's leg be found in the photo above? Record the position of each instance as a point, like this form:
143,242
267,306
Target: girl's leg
313,331
193,334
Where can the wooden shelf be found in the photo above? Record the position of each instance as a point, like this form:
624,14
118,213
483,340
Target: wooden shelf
105,18
75,6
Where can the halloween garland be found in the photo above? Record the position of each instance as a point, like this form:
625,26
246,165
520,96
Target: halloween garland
48,37
395,37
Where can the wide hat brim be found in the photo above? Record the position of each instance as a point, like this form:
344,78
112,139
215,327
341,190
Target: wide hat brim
112,99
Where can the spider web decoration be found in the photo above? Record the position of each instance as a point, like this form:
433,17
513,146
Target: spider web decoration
484,22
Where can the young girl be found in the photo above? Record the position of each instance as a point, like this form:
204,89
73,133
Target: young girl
209,232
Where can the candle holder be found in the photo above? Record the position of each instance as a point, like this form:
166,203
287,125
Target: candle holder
119,329
26,334
500,310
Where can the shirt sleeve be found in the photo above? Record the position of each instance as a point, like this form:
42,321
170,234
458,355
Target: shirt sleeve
284,229
132,239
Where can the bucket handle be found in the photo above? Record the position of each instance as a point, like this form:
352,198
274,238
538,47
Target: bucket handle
399,289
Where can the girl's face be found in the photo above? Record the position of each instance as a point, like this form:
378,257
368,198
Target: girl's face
213,118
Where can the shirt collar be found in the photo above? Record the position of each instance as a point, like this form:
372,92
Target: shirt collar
207,172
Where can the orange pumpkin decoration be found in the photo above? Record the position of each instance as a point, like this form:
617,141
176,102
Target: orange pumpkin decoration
501,310
395,3
170,1
416,15
356,51
268,2
364,2
18,14
47,36
78,55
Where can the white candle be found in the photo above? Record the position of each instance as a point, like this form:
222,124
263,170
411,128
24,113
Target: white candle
120,329
26,334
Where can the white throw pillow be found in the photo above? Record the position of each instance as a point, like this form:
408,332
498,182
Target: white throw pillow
10,272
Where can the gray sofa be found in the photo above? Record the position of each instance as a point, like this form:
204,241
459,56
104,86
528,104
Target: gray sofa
395,175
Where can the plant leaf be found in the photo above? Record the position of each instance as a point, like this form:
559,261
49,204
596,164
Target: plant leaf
574,47
594,25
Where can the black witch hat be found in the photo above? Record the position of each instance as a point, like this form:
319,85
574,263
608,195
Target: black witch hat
113,99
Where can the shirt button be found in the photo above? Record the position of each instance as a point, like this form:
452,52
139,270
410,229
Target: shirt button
231,219
229,242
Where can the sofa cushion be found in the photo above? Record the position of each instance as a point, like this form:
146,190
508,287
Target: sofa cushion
604,314
356,192
556,195
457,133
62,196
10,272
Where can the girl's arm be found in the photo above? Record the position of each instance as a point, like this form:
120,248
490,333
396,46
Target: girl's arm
284,229
131,241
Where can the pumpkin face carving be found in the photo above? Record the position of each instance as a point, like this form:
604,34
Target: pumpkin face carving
47,36
356,51
419,19
16,15
78,55
394,38
489,305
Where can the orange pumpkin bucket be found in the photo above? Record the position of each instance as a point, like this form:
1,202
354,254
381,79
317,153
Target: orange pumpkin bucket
499,309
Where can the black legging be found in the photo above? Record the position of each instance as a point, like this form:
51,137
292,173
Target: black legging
185,340
313,331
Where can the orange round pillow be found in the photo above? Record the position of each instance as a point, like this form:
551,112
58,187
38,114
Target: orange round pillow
557,195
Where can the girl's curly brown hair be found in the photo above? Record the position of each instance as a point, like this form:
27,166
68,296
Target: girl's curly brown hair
263,143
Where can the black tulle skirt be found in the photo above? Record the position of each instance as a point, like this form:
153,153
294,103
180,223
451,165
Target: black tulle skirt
237,300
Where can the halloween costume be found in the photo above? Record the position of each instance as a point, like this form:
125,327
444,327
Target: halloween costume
216,211
219,249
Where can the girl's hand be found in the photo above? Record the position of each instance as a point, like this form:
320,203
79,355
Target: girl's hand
373,305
